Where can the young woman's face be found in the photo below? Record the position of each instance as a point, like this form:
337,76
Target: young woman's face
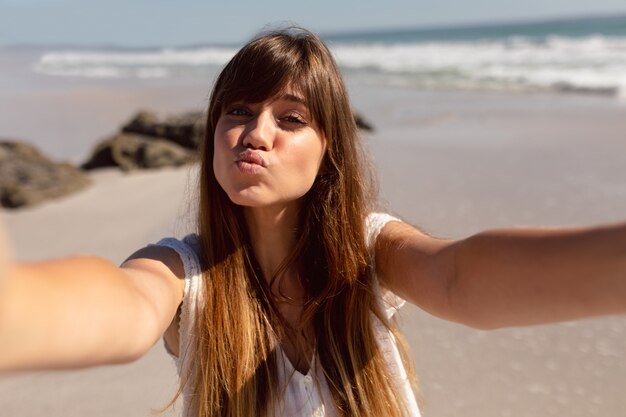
267,153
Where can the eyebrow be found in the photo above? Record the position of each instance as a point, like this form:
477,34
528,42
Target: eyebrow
294,98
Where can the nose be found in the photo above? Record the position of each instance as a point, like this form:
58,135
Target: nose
260,132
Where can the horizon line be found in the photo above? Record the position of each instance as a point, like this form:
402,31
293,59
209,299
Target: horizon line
336,34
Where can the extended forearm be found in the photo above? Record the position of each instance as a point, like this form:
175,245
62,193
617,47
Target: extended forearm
530,276
71,312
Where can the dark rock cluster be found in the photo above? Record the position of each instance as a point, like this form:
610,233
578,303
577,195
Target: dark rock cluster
149,142
27,177
186,129
146,142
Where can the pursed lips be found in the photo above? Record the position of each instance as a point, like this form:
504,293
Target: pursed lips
250,161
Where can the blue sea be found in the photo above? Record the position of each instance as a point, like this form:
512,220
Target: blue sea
573,55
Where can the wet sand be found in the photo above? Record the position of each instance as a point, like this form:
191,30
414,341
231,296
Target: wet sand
453,163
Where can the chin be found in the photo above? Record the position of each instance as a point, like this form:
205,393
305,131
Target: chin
255,200
246,200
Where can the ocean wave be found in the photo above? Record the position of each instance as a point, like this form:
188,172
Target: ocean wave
594,63
164,63
188,57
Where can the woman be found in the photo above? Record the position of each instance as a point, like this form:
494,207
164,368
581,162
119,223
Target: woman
282,303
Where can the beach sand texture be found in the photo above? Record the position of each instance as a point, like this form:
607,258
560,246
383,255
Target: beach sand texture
453,163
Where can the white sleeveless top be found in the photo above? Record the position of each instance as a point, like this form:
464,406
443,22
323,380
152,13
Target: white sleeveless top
305,395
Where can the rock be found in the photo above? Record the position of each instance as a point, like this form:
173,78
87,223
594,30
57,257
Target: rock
27,177
186,129
131,151
361,123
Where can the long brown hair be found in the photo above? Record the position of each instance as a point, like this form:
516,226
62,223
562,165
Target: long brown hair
235,372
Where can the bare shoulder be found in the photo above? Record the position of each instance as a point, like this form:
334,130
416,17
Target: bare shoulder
398,237
157,257
159,272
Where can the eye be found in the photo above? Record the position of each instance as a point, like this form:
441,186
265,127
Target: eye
238,111
295,118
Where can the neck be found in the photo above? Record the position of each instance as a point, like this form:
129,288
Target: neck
273,234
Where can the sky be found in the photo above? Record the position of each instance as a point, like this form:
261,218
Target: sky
189,22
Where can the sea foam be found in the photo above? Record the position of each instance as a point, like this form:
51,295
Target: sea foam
594,63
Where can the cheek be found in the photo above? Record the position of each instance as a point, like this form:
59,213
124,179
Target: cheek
224,138
224,141
220,151
316,154
217,165
309,159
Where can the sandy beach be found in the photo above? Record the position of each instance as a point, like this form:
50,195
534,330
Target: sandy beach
453,163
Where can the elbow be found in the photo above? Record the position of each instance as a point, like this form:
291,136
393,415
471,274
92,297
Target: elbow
149,329
147,334
464,311
461,306
130,343
130,356
474,315
130,350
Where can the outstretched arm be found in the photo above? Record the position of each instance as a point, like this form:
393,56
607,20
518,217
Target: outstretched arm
84,311
511,277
